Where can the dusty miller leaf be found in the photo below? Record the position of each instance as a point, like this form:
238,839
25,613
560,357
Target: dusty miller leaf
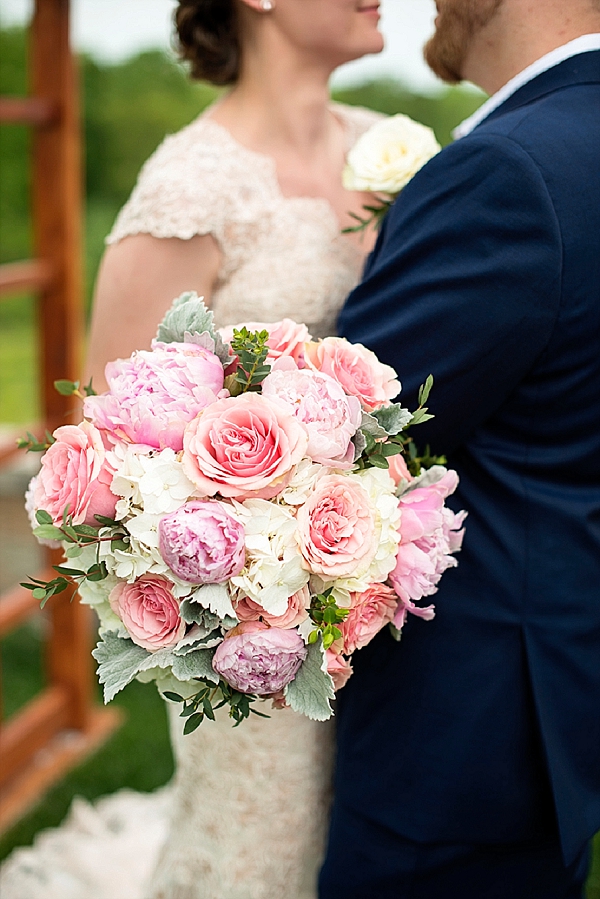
119,660
195,664
187,314
393,419
312,689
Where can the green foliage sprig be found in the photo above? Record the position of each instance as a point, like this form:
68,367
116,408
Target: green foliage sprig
251,349
325,614
78,536
202,704
73,388
376,216
32,445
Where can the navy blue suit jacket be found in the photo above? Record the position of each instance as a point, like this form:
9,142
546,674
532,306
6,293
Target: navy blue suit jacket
484,724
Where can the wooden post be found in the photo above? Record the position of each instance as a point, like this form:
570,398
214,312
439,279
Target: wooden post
65,708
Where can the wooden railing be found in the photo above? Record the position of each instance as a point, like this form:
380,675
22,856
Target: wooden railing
62,723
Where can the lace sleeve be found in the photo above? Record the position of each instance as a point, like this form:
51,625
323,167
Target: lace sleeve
181,190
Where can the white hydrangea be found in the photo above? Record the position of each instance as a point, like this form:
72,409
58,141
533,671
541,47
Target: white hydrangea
303,480
150,480
273,570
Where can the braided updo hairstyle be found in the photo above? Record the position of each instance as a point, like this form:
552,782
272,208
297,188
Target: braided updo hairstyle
208,38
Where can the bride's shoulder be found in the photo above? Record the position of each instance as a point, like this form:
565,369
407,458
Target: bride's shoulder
199,147
356,119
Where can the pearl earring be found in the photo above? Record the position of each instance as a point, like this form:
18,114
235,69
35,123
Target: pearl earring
266,5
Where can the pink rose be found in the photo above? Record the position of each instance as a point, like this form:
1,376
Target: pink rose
286,338
356,368
330,417
339,668
75,473
369,613
244,446
153,394
398,469
202,543
248,610
149,612
256,658
336,528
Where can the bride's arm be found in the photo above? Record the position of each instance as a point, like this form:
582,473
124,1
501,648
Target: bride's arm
138,279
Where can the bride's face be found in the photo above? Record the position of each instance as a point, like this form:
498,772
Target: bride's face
334,31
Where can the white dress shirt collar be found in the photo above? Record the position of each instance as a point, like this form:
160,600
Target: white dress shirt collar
582,44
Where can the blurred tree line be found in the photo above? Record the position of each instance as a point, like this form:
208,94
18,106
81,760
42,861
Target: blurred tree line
127,110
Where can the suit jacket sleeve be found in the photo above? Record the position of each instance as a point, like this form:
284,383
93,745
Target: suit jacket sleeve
464,283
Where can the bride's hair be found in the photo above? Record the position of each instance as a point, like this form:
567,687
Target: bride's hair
208,38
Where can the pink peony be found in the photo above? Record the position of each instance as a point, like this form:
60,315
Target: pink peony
248,610
244,446
149,612
256,658
201,543
286,338
369,613
356,368
75,473
330,417
336,528
429,534
339,668
153,394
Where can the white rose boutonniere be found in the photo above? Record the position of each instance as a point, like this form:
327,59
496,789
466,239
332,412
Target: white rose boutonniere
385,158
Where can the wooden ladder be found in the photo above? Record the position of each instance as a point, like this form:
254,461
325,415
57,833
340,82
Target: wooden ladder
62,724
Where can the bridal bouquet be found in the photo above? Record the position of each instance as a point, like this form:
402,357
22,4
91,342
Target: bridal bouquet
243,510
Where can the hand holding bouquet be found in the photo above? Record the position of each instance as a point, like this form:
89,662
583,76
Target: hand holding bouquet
244,510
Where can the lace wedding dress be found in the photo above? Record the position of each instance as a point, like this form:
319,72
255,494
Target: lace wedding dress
247,809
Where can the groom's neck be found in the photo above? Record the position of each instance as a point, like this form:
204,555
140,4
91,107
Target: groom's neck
522,32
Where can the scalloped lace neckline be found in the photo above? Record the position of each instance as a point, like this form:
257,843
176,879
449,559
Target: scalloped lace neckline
267,164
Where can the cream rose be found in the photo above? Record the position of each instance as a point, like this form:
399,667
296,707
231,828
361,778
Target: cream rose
388,155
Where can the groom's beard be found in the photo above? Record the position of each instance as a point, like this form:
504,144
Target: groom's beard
458,22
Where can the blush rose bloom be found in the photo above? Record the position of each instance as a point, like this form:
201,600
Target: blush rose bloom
331,418
336,528
256,658
153,394
339,669
202,543
398,469
243,447
75,472
356,369
248,610
369,612
286,338
149,612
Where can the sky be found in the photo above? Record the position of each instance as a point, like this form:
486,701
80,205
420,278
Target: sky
112,30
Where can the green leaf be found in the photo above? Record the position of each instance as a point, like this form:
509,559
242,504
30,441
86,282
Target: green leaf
119,660
66,388
378,461
106,522
425,390
195,664
312,689
193,723
393,419
85,530
188,315
43,517
73,551
39,593
69,572
370,425
174,697
47,532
